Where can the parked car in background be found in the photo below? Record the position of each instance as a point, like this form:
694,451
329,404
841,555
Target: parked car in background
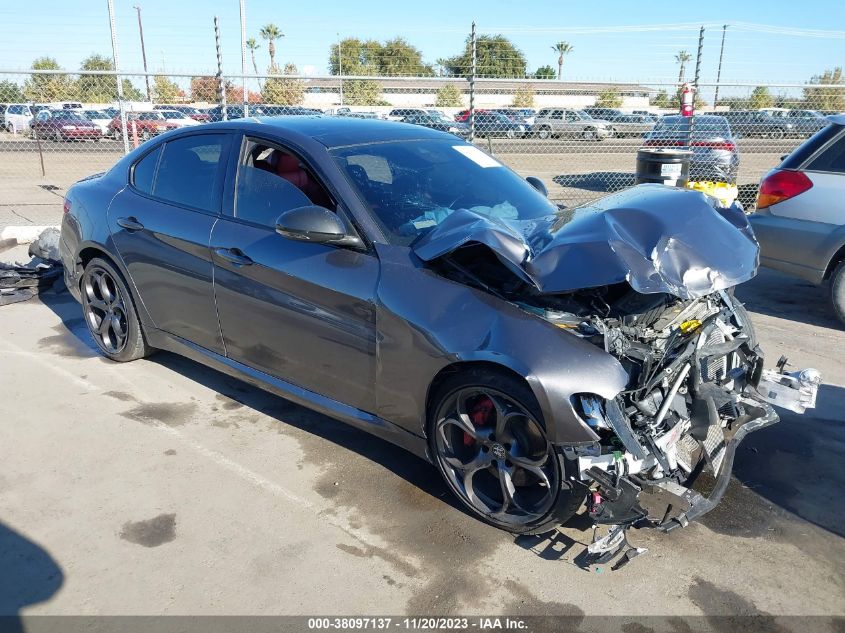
179,119
493,124
100,118
555,122
233,112
603,113
755,123
146,124
64,125
806,122
800,219
112,112
463,115
715,155
398,114
286,110
437,123
195,113
15,117
517,115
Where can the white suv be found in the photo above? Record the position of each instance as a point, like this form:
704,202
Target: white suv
15,117
800,218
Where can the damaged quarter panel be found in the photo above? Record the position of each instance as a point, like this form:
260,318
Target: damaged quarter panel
439,322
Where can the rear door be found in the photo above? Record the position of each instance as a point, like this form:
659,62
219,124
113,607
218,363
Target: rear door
161,224
299,311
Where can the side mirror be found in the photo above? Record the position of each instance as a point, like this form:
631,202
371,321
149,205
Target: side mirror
538,184
316,224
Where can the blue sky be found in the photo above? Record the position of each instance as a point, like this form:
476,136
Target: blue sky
179,34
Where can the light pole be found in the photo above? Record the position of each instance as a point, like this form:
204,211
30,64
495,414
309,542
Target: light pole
144,54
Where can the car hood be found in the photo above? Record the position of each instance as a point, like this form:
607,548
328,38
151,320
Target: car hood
656,238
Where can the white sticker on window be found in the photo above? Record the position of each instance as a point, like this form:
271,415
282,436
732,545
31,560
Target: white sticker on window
477,156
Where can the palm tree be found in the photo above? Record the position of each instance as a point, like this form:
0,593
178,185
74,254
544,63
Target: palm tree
682,58
253,46
561,48
271,33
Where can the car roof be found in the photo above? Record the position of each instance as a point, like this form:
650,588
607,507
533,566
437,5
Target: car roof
336,131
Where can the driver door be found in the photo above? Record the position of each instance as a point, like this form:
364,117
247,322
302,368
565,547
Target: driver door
299,311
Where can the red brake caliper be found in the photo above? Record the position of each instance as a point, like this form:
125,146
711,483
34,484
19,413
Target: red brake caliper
481,413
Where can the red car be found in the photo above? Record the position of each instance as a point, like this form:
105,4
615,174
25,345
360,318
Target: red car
64,125
147,124
463,115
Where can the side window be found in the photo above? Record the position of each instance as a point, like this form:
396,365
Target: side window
832,159
189,169
144,171
571,116
271,181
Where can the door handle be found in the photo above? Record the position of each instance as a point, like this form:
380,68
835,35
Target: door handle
130,224
234,255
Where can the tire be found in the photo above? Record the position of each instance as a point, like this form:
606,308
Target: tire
105,295
837,290
544,132
776,134
57,136
613,133
589,134
533,471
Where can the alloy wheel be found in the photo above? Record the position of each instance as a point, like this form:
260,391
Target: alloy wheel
105,310
496,456
544,133
589,135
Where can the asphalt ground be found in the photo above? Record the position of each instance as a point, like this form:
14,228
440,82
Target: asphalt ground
164,487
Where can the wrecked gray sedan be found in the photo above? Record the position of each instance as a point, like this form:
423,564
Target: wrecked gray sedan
407,283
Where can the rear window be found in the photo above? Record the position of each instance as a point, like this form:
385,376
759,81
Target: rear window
710,126
832,158
811,146
144,171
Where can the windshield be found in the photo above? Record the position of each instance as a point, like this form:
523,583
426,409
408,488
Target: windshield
704,126
410,187
583,115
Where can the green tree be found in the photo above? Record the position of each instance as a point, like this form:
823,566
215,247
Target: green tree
829,98
97,88
52,87
545,72
496,56
682,58
562,49
523,97
131,92
363,92
10,91
609,98
253,46
661,99
271,33
760,98
165,90
449,96
395,57
282,88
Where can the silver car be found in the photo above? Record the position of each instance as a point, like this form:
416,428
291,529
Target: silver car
554,122
800,219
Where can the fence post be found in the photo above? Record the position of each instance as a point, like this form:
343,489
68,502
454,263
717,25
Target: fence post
695,83
472,87
243,59
719,71
221,89
117,78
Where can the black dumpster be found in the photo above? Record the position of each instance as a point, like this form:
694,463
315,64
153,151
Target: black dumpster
663,165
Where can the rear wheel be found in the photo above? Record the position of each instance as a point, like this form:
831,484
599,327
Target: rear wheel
776,133
57,136
544,132
489,442
589,134
110,313
837,290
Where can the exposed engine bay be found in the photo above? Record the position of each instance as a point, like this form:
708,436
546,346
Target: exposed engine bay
696,387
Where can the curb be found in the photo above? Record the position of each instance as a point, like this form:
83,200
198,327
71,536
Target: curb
22,234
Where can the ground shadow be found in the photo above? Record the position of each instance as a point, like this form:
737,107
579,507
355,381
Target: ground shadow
776,294
598,181
28,575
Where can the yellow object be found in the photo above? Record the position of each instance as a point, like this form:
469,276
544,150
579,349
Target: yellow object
722,191
690,326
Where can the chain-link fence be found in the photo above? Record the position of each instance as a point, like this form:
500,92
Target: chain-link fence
581,139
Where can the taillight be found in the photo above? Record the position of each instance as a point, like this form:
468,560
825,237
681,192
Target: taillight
66,206
781,185
725,145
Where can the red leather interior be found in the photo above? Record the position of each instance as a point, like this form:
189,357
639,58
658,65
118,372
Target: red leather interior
287,167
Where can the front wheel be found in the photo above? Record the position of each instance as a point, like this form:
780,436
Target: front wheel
776,134
589,134
489,442
544,132
110,313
